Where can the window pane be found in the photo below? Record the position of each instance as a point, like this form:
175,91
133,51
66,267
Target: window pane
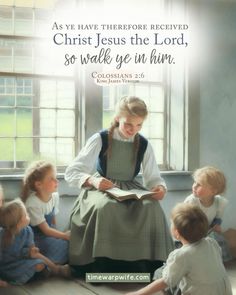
23,60
24,90
47,121
65,123
23,21
65,150
47,148
6,100
142,91
7,119
47,93
24,151
23,100
6,27
6,152
65,94
42,20
6,57
153,126
24,122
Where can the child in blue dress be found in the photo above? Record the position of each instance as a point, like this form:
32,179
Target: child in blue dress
209,184
41,200
20,260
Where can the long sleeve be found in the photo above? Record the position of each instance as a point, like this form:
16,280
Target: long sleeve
150,170
85,163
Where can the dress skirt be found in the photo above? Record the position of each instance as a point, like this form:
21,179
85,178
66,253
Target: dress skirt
131,230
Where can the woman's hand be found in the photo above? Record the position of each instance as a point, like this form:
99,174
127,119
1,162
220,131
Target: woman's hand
100,183
159,192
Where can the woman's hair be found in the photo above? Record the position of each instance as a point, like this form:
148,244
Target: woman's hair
211,176
35,172
131,106
190,221
1,195
127,106
10,215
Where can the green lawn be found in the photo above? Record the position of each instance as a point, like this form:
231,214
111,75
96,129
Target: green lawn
23,127
10,127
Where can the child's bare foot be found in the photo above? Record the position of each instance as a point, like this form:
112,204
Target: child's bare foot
64,271
3,284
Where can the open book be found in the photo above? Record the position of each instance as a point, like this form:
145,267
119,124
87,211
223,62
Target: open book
121,195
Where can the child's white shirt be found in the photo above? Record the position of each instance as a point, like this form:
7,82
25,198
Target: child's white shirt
37,209
215,210
198,268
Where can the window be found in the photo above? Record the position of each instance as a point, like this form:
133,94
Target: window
37,120
154,126
48,111
38,106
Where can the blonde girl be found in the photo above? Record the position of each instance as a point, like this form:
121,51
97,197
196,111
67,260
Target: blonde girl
208,187
107,234
20,259
197,266
41,200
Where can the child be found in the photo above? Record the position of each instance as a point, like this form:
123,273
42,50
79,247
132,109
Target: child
118,236
20,259
2,283
197,266
41,200
209,183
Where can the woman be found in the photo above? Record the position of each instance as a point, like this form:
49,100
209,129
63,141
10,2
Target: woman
107,234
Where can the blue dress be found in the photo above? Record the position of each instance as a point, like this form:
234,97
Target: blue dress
53,248
39,211
15,265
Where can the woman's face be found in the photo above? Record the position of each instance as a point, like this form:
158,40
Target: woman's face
129,125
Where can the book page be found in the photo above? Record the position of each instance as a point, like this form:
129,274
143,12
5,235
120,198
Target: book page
135,192
118,192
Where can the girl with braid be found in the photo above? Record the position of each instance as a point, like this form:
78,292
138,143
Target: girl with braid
39,193
108,235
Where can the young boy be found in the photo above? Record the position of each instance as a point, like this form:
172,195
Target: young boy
197,266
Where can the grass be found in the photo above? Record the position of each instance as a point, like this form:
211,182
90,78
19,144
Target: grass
10,127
